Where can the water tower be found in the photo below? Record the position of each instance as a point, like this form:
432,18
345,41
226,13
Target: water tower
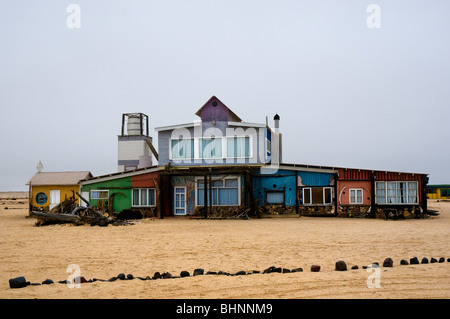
135,144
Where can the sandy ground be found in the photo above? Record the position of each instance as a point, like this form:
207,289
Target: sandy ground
172,245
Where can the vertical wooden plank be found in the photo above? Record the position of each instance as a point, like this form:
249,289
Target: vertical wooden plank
205,202
423,192
210,196
373,206
335,189
161,197
296,193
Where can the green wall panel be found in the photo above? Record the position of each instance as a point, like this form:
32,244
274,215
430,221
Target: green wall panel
121,187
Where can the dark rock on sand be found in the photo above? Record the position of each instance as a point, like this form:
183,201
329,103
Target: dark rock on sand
340,266
315,268
18,282
388,262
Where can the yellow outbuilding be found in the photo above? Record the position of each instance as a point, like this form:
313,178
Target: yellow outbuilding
48,189
438,191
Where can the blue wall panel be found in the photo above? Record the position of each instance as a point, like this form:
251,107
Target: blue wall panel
282,179
315,178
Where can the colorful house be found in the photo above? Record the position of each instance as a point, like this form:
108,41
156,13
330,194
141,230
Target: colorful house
221,166
207,165
48,189
135,189
438,191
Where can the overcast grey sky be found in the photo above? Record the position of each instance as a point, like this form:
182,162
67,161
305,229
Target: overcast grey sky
348,95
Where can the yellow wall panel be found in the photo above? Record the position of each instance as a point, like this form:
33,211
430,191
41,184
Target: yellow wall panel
65,192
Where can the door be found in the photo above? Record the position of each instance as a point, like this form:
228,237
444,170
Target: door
86,197
54,198
180,200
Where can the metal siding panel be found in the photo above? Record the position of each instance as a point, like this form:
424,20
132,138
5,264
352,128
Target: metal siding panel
144,180
315,178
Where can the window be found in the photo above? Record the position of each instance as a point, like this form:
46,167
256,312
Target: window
238,147
317,196
99,194
225,192
182,149
211,148
143,197
396,192
431,191
356,196
41,198
445,192
275,197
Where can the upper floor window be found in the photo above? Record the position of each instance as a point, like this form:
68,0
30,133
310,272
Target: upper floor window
238,147
182,149
211,148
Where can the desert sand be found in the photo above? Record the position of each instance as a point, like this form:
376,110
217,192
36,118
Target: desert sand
177,244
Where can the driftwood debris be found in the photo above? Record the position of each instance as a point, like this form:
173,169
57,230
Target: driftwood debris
68,211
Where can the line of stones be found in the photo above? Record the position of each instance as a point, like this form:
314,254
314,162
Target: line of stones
21,282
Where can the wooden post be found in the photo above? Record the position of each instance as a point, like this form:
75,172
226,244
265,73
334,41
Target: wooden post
252,197
336,203
296,194
373,206
160,197
210,195
245,190
205,202
424,183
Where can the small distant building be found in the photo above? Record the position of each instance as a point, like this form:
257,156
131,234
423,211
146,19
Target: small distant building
48,189
438,191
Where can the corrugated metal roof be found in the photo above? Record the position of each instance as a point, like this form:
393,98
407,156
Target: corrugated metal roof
439,186
58,178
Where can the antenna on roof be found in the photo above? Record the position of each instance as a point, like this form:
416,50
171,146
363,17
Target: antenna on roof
40,167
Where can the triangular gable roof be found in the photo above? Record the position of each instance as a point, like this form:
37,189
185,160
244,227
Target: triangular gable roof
58,178
214,109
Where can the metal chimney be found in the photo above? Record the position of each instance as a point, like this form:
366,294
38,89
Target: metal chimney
276,120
